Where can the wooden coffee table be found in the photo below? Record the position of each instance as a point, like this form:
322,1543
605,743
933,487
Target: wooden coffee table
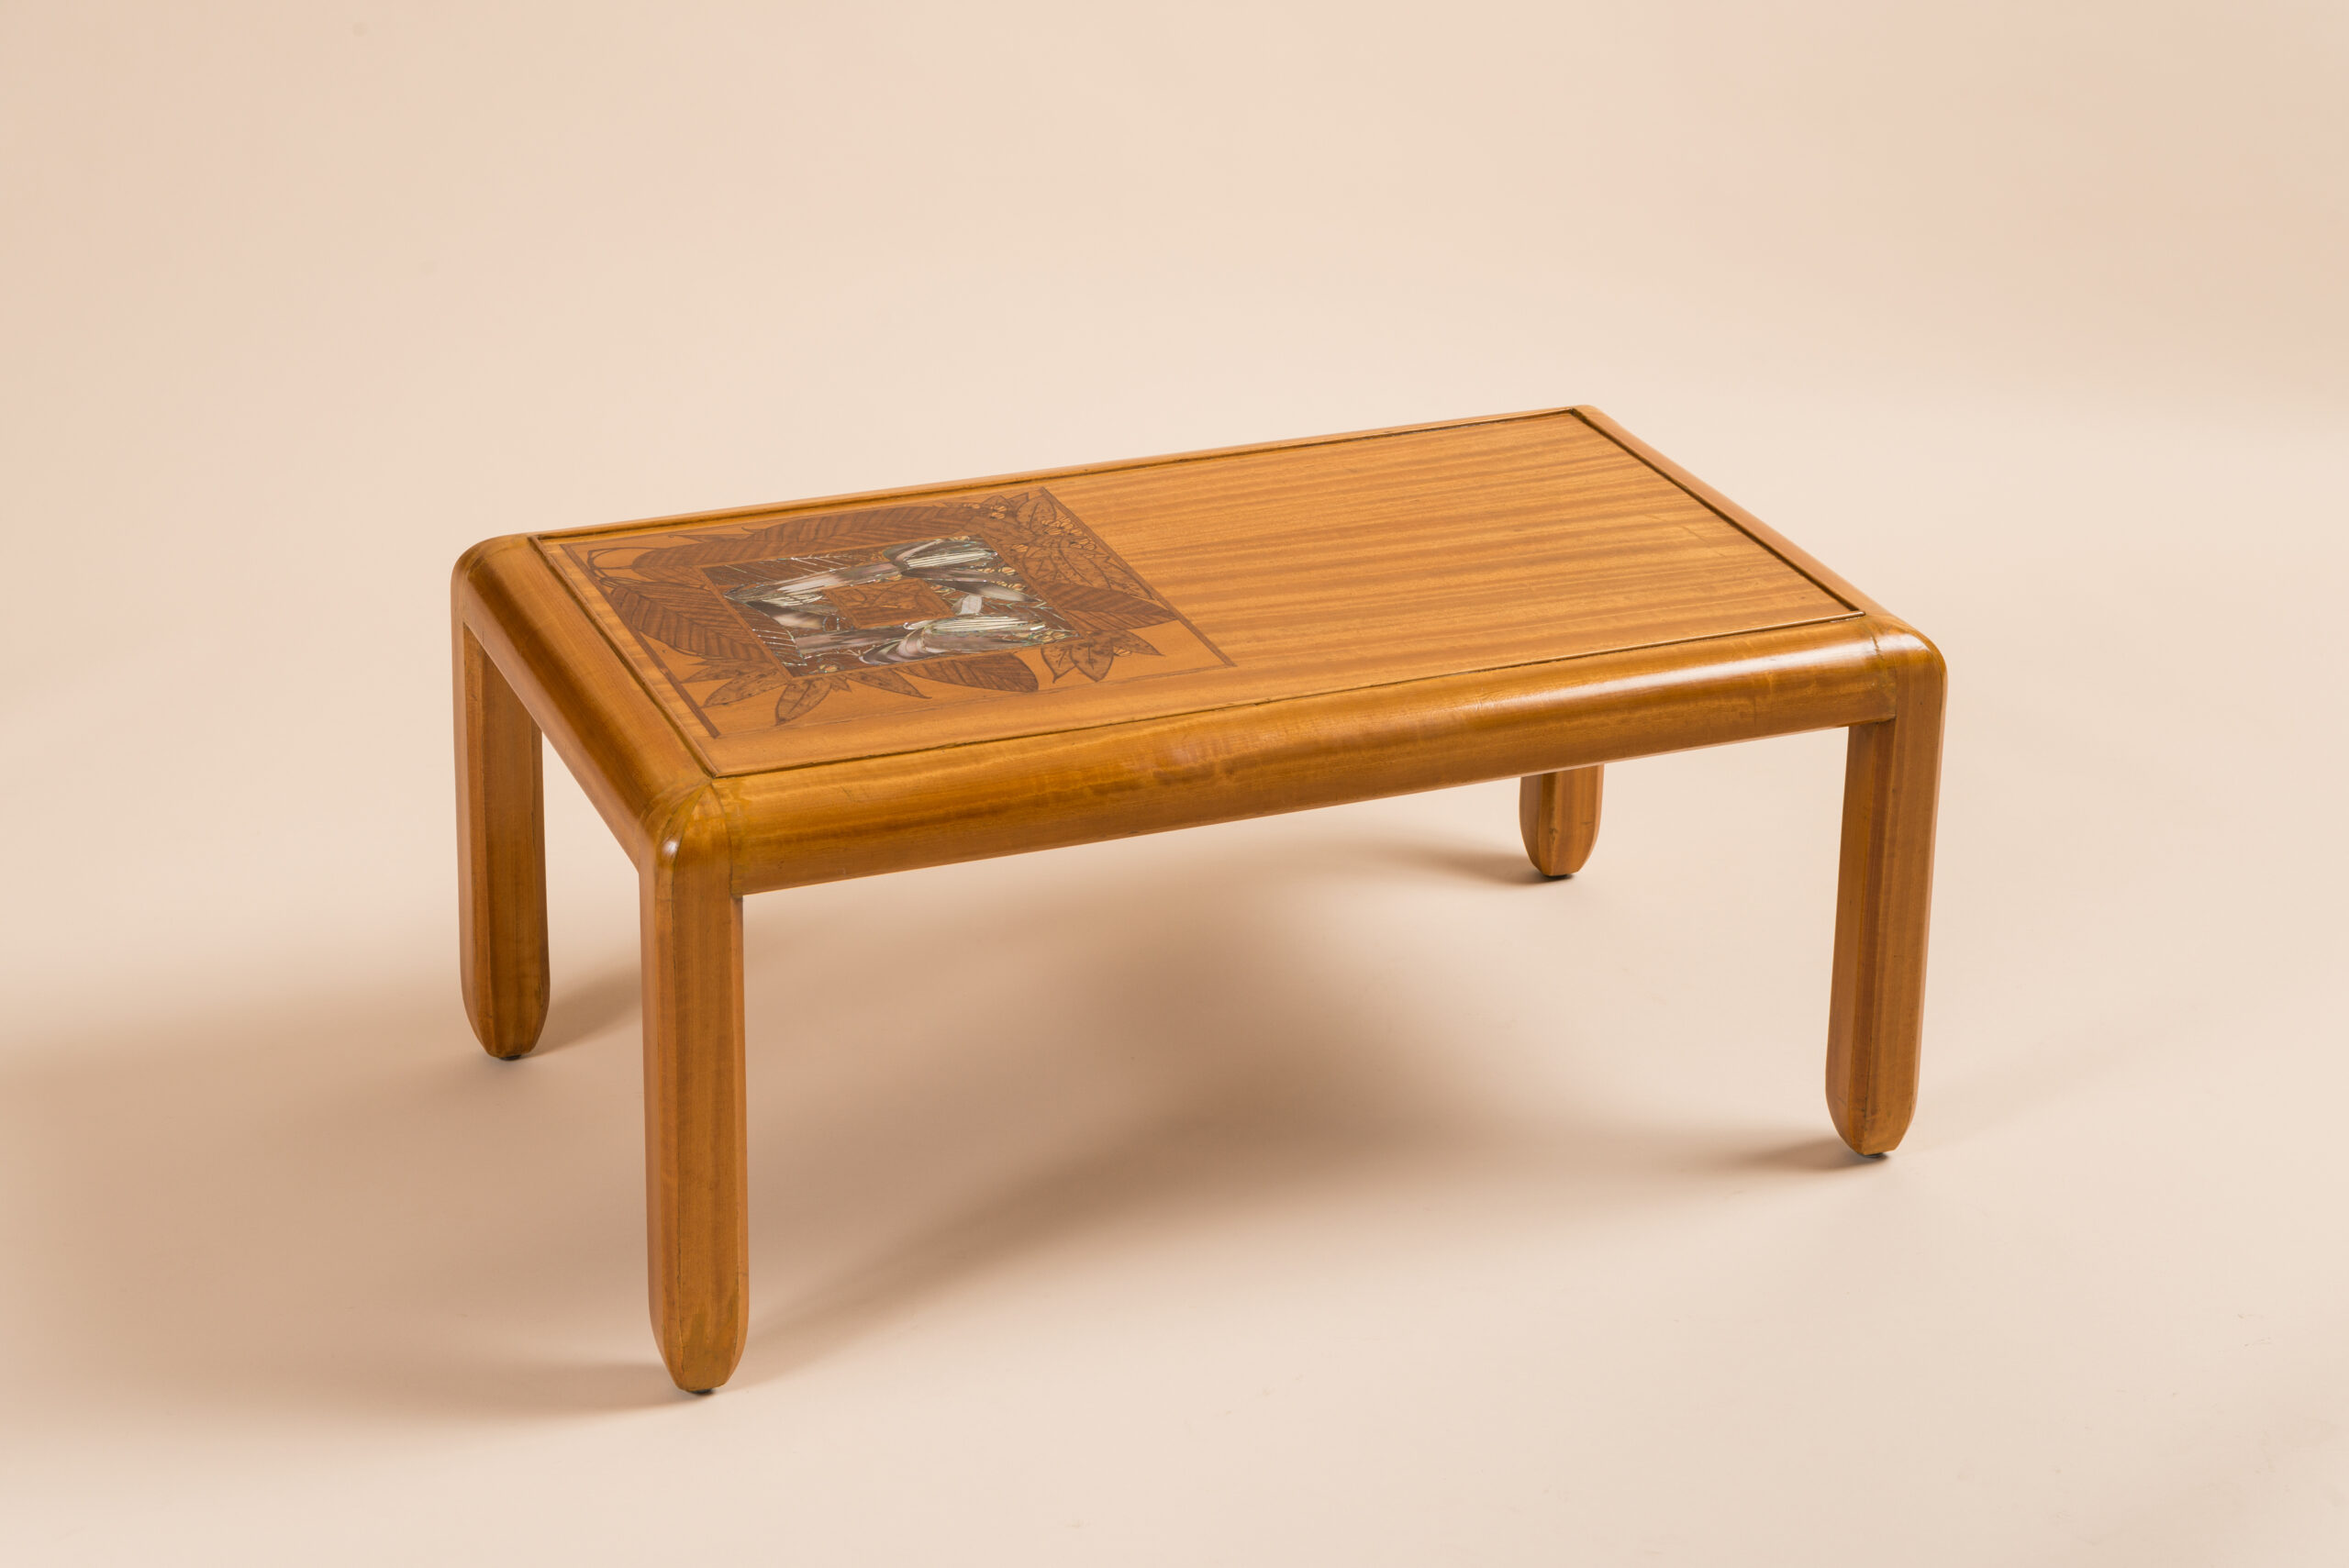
779,696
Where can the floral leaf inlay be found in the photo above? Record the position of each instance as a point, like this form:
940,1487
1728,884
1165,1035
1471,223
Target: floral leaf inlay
1102,609
799,697
691,620
887,681
989,594
994,671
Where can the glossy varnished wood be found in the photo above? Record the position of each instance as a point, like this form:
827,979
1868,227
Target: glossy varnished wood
1260,630
501,851
1884,898
626,755
696,1175
1728,511
962,803
1310,567
1557,816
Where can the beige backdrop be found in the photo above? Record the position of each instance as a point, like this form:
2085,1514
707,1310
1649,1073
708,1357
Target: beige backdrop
1320,1190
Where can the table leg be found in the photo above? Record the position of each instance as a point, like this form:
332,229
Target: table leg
501,846
1891,784
696,1170
1558,814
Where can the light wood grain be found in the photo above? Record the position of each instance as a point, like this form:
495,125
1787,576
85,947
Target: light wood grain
617,743
1312,568
1532,596
961,803
1557,816
695,1140
501,853
1728,511
1884,898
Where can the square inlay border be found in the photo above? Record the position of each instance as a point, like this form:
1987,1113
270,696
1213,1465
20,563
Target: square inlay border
754,627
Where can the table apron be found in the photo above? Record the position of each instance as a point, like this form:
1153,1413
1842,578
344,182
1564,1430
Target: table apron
828,822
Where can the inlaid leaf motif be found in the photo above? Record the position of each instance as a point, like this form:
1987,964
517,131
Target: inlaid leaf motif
692,620
1053,544
1095,608
1092,656
799,697
887,681
800,535
669,565
883,525
788,608
990,671
745,685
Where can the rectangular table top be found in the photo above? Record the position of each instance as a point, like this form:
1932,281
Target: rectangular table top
783,636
